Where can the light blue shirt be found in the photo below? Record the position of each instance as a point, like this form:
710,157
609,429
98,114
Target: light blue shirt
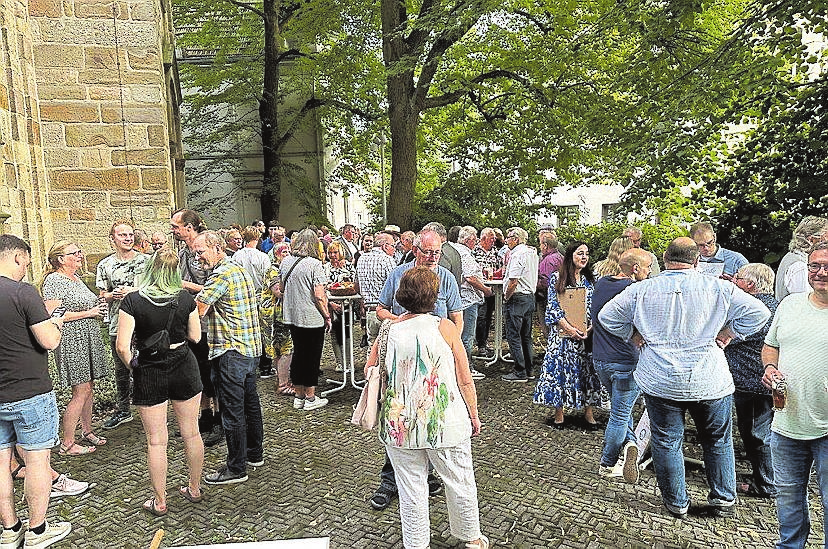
733,261
679,313
448,295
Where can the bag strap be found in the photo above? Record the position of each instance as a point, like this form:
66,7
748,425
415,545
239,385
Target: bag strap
173,309
284,280
384,330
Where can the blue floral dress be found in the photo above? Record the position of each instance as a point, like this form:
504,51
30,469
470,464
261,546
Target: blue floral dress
568,378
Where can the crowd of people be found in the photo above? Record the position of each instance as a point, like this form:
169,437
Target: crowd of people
196,320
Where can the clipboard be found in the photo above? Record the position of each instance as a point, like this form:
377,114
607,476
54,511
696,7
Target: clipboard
573,304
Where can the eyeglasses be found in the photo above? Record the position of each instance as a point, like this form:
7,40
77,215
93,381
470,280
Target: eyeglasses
816,267
157,245
709,244
430,253
78,253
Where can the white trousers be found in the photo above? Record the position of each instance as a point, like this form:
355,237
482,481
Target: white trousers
457,471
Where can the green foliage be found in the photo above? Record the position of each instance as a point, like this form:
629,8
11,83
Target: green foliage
655,238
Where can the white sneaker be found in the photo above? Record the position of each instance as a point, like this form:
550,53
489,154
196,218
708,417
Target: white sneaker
53,534
482,544
298,403
477,375
317,402
65,486
630,457
615,471
12,540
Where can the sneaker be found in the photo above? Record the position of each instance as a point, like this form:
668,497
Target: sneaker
118,418
630,462
317,402
10,539
482,544
383,497
484,353
65,486
675,512
714,511
477,375
215,436
614,471
267,374
256,463
224,476
298,403
515,377
531,376
53,534
435,486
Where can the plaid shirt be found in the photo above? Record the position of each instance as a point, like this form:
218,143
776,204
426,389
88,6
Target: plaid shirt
233,321
489,259
372,271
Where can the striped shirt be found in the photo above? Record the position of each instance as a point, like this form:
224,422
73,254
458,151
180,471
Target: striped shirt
233,321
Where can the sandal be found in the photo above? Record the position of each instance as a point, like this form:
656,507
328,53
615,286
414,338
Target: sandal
186,494
18,473
94,439
81,450
150,507
287,390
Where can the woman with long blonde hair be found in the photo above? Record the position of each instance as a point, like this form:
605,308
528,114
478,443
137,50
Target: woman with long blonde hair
610,266
171,374
81,357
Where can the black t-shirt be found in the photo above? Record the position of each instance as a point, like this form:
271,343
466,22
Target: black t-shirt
151,318
24,365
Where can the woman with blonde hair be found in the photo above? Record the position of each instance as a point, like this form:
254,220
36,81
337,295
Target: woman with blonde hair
609,266
170,374
339,269
81,356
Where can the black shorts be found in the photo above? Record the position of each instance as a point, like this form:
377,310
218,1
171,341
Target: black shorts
201,351
175,378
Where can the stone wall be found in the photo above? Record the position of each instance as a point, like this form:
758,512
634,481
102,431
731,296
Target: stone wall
23,200
105,96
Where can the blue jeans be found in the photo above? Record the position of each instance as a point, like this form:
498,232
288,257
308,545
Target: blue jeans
32,423
754,414
792,461
618,379
714,426
519,311
234,378
469,328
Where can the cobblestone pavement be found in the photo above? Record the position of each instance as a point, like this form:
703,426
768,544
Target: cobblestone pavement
538,487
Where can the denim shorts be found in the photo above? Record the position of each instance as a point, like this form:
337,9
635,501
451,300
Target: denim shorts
32,423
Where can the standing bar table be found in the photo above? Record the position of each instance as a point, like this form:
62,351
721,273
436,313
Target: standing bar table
347,302
497,286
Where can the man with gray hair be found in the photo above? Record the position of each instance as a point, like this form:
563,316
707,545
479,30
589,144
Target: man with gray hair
449,257
635,234
228,302
485,253
679,315
472,290
792,274
710,252
372,271
520,281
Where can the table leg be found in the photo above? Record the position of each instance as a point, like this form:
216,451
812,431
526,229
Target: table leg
340,385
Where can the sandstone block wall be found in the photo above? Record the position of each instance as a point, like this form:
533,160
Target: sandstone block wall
23,202
104,108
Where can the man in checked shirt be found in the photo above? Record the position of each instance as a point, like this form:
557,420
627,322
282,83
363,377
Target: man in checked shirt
228,301
372,271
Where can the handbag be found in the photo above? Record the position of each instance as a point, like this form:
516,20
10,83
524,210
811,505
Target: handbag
157,345
366,413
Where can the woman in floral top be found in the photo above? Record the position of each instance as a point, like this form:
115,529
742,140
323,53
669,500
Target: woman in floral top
429,413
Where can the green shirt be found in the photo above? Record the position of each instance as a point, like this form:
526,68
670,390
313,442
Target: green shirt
798,331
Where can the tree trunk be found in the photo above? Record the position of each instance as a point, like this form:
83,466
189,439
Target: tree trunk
404,116
268,114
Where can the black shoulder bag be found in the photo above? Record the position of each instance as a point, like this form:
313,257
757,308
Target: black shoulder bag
157,345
